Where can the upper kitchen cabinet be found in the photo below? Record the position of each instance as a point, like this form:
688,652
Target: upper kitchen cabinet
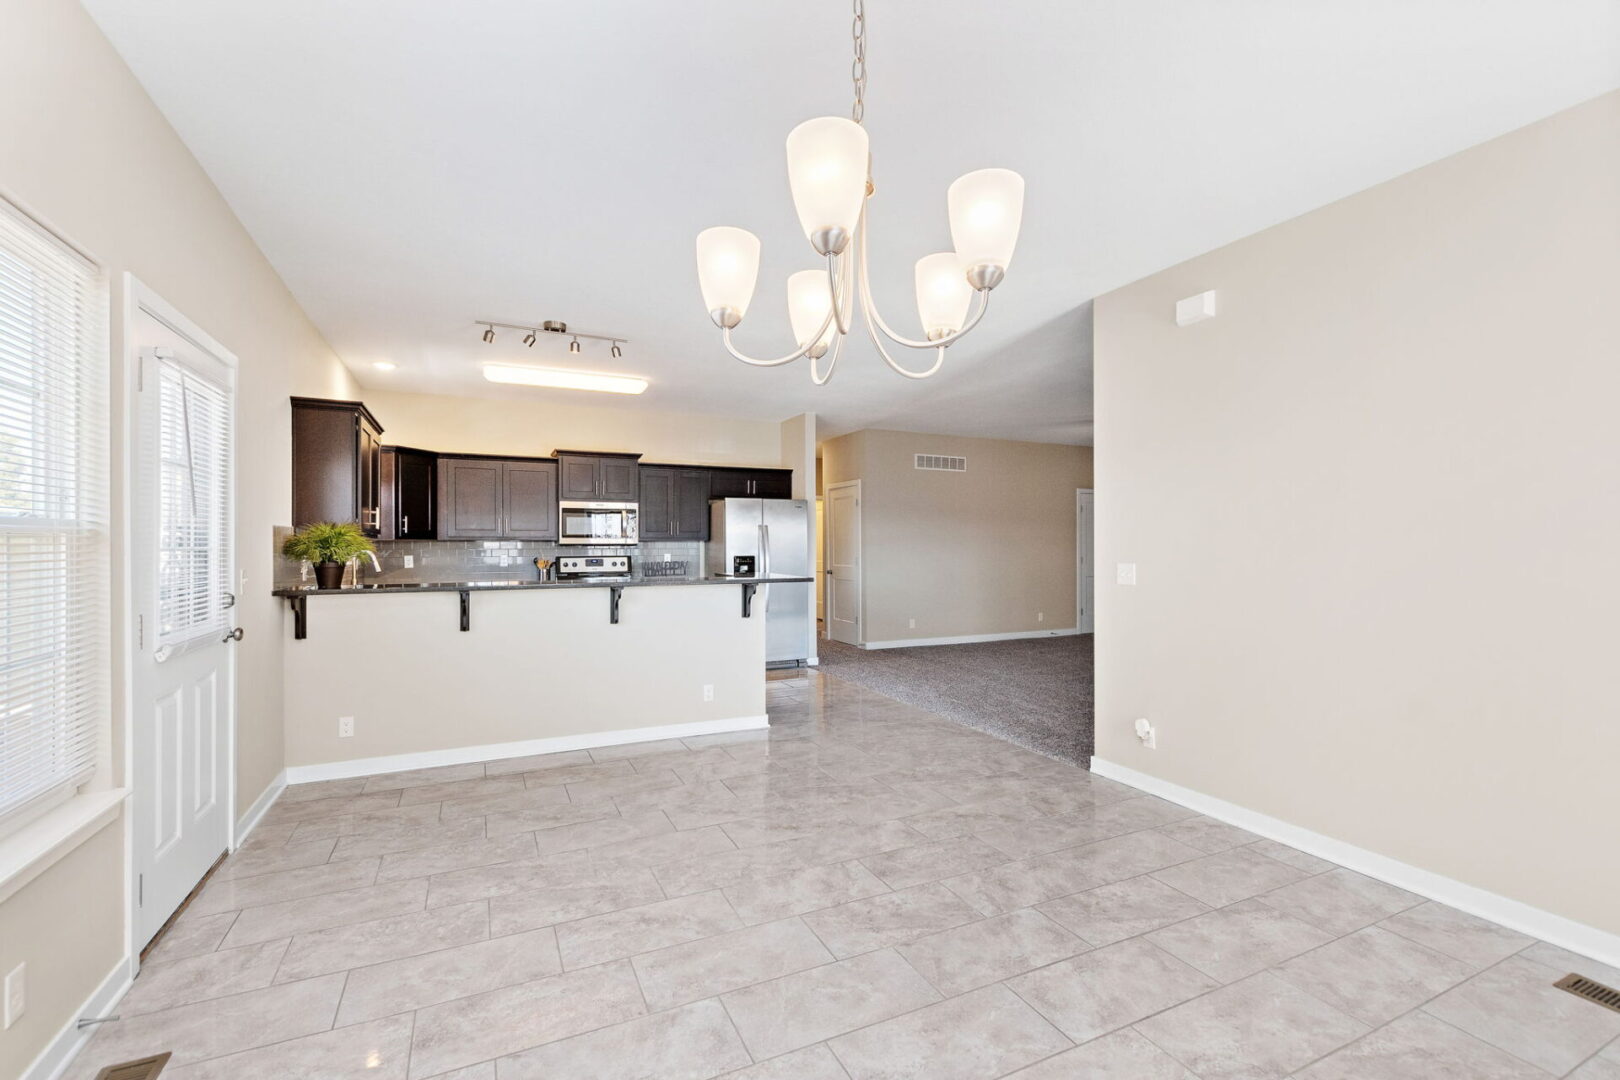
495,499
751,484
674,503
409,493
337,451
598,477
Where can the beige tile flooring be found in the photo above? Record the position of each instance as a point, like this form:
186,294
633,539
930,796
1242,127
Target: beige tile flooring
864,891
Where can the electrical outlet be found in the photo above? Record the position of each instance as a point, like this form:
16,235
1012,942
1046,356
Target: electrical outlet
1147,733
913,623
666,556
16,993
1040,616
1126,573
345,727
708,691
410,561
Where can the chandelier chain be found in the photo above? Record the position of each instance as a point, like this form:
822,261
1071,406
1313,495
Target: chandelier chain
857,68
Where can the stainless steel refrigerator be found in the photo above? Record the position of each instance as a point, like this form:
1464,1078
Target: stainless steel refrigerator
776,535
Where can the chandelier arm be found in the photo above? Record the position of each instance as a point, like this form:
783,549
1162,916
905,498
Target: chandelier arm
838,286
725,336
877,342
837,349
874,317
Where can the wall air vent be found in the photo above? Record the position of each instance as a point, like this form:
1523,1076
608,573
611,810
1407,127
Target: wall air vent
940,463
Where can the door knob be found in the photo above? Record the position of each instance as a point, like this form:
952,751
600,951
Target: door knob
233,635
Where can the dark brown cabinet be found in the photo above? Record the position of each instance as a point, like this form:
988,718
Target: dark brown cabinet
598,477
495,499
751,484
674,503
529,490
409,485
336,466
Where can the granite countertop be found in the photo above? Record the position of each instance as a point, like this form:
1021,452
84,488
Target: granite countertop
364,589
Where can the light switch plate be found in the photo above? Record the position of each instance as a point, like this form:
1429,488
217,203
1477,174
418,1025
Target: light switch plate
1126,572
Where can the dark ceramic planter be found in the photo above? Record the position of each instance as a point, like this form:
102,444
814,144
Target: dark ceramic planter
329,575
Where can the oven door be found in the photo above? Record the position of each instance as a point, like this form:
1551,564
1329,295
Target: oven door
596,523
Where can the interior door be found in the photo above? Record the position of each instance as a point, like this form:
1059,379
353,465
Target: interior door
843,503
1085,576
182,579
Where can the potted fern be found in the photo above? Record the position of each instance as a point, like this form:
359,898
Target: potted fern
327,545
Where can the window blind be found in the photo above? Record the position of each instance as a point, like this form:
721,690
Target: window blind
54,626
194,448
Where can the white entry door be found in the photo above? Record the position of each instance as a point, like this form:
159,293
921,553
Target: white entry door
182,472
843,504
1085,578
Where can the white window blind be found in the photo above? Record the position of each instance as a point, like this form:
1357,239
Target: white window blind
194,446
54,625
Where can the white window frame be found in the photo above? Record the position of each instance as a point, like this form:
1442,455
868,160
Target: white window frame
36,833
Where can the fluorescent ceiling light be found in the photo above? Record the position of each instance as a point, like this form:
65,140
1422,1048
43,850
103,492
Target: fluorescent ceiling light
384,365
563,380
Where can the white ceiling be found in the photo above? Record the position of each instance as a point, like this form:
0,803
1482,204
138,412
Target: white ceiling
411,166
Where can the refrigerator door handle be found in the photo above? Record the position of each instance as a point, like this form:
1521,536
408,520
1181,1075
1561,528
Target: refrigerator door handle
765,552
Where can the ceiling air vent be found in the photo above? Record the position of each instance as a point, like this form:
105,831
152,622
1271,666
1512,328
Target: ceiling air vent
940,463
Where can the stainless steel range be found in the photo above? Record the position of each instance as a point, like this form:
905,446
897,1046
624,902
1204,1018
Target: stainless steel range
593,568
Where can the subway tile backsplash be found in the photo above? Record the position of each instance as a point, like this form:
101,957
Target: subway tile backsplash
484,560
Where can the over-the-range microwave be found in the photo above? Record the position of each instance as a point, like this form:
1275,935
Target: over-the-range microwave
596,523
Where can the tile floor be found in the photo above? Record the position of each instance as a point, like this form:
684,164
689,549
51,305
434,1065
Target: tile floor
864,891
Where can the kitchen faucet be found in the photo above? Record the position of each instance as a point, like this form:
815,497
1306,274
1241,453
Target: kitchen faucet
372,555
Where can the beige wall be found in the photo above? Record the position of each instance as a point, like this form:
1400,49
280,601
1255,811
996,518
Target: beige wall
522,425
83,147
1373,508
534,665
981,552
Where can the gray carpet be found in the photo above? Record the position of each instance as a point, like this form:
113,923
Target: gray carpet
1035,693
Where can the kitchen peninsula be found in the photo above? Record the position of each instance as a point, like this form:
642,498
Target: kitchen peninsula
455,648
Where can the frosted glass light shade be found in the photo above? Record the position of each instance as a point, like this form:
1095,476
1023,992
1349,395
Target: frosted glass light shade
943,294
826,160
809,303
986,207
728,267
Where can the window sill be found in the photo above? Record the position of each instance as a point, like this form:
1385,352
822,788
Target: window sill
31,850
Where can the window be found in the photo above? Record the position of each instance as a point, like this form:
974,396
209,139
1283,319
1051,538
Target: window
194,432
54,625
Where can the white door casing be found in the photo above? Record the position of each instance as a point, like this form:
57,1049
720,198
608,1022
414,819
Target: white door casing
843,504
1085,577
182,575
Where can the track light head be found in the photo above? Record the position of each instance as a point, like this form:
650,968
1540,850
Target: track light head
489,334
617,352
528,339
573,346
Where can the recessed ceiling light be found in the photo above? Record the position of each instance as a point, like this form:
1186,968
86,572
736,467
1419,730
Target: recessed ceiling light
563,380
384,365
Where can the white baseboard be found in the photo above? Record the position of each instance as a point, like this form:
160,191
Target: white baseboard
1600,945
462,755
245,824
60,1051
968,639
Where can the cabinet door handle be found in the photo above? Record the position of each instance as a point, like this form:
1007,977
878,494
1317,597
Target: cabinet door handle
405,523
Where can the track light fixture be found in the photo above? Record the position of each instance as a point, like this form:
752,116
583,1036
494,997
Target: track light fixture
532,332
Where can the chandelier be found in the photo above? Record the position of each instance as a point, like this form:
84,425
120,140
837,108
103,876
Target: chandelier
829,174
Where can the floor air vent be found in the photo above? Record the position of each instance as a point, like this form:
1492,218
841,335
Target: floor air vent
941,463
1591,990
144,1069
